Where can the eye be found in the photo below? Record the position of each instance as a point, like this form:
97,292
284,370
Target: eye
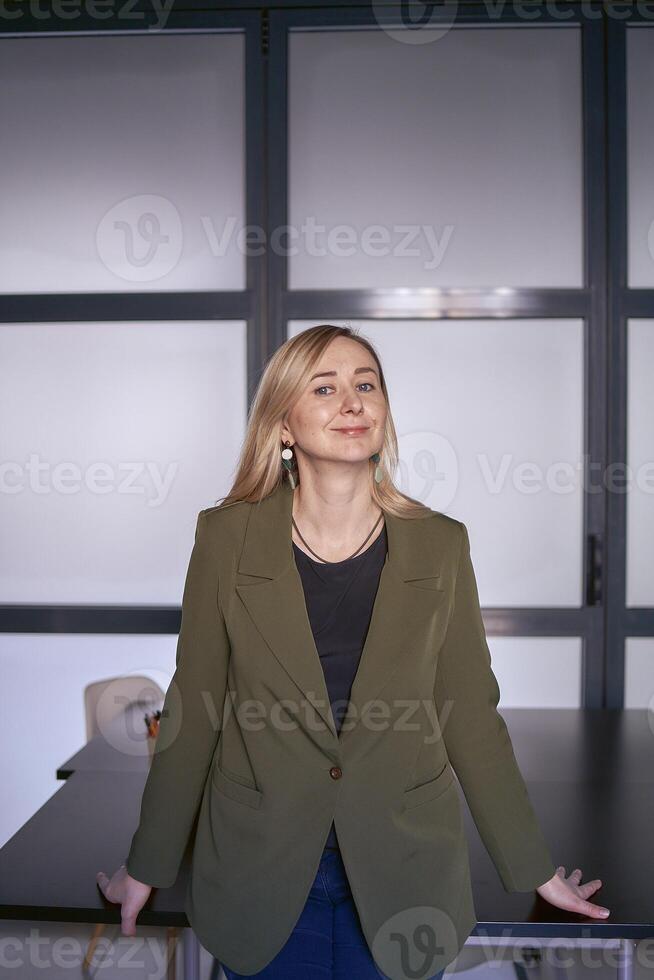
322,387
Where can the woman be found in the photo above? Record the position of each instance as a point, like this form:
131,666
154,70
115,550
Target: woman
331,843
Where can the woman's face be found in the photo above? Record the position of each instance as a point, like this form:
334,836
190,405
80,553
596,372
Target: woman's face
344,394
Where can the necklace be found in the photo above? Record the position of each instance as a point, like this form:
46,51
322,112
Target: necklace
344,559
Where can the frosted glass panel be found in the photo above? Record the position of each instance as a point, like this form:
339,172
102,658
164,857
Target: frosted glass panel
114,436
640,442
126,157
453,163
49,673
489,415
537,671
639,672
640,151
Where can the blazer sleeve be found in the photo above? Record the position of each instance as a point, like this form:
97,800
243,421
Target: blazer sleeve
189,726
478,743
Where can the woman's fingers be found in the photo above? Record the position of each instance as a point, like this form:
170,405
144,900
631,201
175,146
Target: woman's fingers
597,911
576,876
127,913
589,888
580,894
125,891
103,883
128,921
582,907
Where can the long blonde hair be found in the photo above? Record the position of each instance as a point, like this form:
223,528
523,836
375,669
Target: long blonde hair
259,469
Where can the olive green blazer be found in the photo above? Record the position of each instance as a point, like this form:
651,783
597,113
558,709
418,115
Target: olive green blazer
248,746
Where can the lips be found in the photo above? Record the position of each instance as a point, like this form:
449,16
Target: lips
354,428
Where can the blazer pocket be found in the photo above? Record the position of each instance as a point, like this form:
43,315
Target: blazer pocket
429,790
236,790
432,583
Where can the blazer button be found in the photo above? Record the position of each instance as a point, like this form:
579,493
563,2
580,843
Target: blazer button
336,772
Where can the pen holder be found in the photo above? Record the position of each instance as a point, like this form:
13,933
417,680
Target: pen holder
152,728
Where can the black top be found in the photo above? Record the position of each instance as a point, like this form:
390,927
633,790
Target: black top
339,598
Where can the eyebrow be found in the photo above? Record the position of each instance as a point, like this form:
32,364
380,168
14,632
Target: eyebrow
329,374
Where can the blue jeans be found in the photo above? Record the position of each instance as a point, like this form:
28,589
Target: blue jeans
327,942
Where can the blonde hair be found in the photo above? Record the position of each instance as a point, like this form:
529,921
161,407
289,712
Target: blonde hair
259,469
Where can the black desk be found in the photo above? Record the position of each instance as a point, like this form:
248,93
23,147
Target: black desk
590,775
98,755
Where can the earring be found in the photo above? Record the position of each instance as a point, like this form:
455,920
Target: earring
379,476
288,463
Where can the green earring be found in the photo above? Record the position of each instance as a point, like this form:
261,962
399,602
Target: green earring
287,463
379,476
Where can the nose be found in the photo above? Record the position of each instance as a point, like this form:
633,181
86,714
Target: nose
352,402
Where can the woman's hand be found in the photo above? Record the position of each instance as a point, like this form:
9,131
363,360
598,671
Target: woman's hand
567,893
126,891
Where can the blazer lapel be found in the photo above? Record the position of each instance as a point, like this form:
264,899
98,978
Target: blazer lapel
271,588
